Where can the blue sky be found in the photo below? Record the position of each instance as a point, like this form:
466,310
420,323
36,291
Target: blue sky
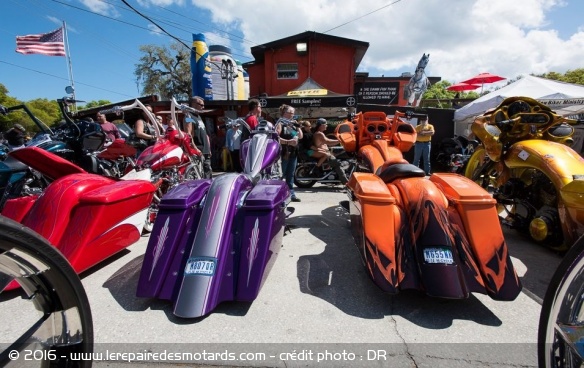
463,37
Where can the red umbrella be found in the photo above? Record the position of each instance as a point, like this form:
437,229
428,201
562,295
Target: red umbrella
459,87
483,78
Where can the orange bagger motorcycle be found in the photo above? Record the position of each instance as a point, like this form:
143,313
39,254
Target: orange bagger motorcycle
526,162
438,234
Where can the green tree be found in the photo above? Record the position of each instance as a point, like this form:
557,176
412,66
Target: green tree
46,111
441,96
575,76
92,104
7,121
165,71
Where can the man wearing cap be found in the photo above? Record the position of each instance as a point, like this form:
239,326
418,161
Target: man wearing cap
321,150
423,143
16,137
233,143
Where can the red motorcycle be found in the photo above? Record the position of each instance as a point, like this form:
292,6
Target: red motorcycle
171,160
87,217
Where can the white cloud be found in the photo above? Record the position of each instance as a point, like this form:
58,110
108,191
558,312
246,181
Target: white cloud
463,37
101,7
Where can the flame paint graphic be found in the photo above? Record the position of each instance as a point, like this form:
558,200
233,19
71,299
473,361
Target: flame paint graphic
159,246
212,214
252,251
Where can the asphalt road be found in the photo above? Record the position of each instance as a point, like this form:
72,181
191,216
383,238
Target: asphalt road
318,308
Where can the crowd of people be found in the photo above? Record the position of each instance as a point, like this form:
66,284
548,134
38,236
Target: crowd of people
295,137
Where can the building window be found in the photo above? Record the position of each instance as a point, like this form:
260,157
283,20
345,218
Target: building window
287,71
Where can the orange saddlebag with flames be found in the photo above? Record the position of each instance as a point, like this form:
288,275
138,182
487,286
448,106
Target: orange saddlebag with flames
478,213
381,216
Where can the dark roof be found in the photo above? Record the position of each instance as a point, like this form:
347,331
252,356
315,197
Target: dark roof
360,46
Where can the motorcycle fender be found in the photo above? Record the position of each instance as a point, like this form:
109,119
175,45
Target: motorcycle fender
559,162
52,213
17,208
572,196
429,229
261,225
107,219
258,153
179,212
489,252
208,276
46,162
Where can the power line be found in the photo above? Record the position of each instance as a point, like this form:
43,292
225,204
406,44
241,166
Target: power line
363,16
55,76
151,20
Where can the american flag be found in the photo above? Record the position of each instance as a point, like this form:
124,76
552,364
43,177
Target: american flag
50,44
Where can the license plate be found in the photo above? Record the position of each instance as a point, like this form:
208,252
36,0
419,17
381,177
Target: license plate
201,266
438,255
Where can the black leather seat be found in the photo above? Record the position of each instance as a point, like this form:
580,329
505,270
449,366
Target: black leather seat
396,171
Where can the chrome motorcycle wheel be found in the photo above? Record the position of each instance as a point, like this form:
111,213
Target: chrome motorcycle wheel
51,324
301,174
561,323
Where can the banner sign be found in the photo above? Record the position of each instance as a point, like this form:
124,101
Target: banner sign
383,93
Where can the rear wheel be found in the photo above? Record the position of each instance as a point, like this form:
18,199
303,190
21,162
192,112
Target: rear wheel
302,177
479,169
561,322
53,317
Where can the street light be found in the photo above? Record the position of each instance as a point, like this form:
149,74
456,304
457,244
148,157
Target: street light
228,71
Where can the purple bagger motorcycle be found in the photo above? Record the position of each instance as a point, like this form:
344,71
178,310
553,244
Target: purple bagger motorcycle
216,241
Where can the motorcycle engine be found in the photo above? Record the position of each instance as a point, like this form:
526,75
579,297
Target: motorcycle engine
543,190
513,188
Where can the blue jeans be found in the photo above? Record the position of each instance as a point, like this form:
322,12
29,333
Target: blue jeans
422,150
288,168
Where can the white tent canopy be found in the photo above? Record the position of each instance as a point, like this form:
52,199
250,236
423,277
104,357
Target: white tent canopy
564,98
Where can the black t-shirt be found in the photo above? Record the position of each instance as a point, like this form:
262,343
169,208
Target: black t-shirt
200,135
306,142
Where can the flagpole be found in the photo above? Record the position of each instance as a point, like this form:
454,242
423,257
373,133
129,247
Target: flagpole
68,57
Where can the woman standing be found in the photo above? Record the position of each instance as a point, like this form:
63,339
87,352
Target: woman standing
290,133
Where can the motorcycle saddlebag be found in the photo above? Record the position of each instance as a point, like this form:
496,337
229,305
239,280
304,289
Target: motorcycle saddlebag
261,228
478,212
179,212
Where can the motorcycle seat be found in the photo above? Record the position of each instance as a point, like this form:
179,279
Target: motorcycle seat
392,172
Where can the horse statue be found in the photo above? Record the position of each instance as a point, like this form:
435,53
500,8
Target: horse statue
418,84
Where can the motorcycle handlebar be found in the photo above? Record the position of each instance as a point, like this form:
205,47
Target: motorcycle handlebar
136,105
185,108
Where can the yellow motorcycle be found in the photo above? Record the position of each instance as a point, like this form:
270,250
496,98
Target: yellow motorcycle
526,162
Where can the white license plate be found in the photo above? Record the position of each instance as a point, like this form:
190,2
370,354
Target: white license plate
201,266
438,255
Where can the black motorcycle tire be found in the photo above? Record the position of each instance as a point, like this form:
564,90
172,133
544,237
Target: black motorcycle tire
562,310
302,172
57,295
